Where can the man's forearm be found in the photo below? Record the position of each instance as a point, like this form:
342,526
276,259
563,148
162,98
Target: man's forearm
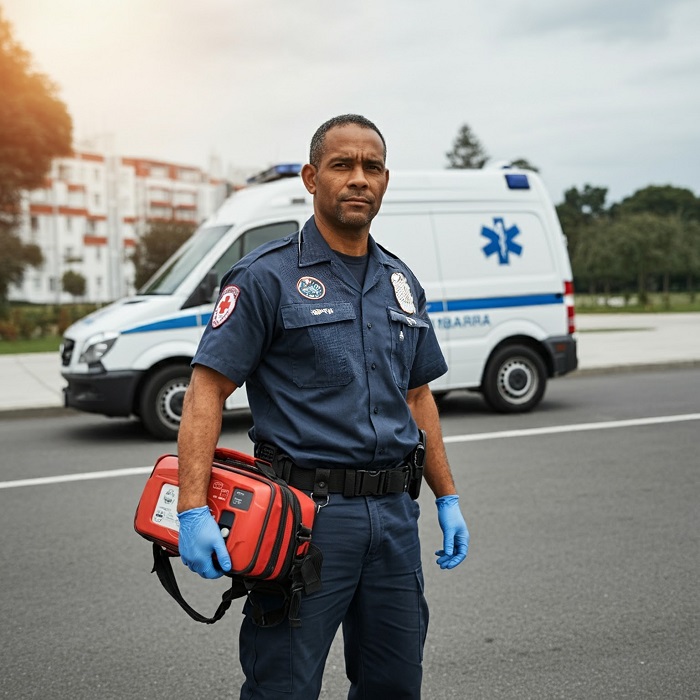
198,436
438,474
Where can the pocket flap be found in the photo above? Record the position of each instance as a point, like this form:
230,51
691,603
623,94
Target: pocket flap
303,315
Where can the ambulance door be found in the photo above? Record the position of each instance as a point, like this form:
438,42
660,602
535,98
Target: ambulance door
500,281
405,229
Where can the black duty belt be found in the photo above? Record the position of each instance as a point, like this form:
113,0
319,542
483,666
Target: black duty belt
349,482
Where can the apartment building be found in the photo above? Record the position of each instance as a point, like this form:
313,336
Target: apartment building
91,212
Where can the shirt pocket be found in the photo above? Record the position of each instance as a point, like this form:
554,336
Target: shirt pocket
405,332
318,340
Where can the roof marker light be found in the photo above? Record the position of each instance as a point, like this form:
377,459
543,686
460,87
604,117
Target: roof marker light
517,181
276,172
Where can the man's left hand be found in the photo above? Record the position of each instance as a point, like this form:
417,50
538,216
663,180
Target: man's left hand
455,534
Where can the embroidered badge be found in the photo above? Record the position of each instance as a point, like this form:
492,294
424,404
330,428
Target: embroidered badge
225,305
311,288
403,292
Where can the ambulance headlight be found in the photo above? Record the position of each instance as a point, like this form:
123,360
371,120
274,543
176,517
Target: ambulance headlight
97,347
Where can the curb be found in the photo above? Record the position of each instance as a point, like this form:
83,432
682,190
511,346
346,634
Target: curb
59,410
640,367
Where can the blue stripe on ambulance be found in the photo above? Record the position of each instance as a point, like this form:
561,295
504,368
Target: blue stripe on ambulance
166,325
434,307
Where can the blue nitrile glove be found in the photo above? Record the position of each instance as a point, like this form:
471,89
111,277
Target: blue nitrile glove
455,541
199,538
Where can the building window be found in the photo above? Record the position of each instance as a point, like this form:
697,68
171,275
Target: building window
34,224
97,174
96,199
69,223
52,284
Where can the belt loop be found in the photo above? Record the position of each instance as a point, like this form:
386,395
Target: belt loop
285,465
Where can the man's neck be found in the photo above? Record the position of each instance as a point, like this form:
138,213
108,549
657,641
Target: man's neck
349,241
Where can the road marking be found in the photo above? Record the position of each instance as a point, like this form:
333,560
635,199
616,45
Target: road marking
527,432
573,428
87,476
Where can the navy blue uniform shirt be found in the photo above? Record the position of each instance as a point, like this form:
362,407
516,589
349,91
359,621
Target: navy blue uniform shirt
326,363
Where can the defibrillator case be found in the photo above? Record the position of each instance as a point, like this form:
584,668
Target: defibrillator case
266,523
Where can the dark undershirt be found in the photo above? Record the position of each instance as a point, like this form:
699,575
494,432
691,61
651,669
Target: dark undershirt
357,264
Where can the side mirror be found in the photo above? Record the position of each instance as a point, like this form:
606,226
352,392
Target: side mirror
210,286
205,292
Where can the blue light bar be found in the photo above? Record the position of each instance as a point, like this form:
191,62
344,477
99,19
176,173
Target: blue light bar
276,172
517,181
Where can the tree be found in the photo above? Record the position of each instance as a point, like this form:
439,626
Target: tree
467,151
579,210
15,257
662,200
73,283
35,127
524,164
161,240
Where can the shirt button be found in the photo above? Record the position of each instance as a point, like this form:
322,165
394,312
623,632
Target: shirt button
369,325
374,366
382,451
376,410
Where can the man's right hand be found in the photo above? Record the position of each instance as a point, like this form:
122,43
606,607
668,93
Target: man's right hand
199,539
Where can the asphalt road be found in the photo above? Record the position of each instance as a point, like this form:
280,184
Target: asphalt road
581,581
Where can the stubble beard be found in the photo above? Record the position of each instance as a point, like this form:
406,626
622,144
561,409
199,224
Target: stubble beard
354,220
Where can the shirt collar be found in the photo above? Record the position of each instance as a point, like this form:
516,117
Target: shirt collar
314,249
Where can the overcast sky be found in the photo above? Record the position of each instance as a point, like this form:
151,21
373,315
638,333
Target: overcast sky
605,92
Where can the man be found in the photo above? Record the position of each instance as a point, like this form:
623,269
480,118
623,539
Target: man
330,333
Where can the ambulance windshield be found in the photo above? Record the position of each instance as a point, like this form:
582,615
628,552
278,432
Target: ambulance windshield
169,277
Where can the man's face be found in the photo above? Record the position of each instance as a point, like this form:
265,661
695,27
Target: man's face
349,183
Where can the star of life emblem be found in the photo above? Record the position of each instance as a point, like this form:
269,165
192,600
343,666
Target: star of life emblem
225,305
311,288
403,292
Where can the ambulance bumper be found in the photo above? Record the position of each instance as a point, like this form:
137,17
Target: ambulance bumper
562,352
108,393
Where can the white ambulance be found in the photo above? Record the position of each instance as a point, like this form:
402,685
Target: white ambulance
486,245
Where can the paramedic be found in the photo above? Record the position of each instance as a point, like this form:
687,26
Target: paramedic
330,333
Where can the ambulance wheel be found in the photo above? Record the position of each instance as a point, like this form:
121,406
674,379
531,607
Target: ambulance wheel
514,380
161,401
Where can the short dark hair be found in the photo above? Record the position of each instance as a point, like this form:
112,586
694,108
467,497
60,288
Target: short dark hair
317,141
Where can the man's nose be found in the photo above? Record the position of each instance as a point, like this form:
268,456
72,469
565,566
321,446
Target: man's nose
358,177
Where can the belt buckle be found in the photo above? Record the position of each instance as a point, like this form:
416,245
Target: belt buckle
371,483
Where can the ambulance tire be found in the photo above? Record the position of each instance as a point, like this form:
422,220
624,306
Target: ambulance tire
514,380
161,400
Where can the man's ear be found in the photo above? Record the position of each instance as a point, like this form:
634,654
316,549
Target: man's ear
308,175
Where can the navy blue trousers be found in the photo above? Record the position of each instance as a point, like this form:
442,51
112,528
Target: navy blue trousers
373,586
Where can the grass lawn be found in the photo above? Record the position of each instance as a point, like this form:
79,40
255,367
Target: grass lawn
48,344
598,304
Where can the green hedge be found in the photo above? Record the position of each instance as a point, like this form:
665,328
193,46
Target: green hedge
32,321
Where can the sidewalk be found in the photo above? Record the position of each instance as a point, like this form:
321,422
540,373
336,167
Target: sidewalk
606,342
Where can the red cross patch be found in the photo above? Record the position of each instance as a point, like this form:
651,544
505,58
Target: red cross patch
225,305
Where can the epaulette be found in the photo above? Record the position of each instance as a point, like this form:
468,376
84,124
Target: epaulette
388,252
266,248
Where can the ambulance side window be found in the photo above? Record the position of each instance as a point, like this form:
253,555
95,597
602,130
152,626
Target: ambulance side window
250,240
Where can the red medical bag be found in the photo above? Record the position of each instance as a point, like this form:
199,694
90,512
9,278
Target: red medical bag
266,525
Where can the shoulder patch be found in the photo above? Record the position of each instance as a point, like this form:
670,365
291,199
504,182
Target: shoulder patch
225,305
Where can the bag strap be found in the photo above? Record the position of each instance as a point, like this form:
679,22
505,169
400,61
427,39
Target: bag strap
166,575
